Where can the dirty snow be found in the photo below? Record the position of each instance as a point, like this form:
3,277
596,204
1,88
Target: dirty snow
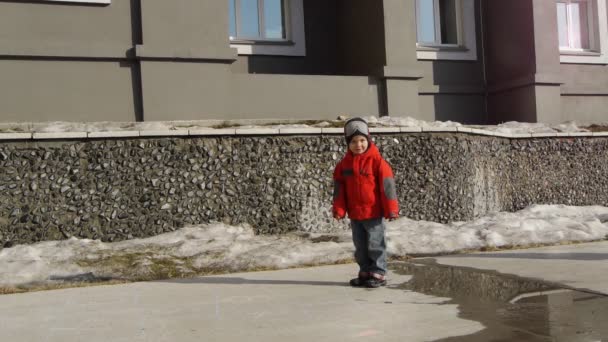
237,248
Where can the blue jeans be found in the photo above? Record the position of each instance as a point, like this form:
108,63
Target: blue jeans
370,245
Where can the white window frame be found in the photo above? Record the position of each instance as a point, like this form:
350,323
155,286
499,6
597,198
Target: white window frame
597,18
294,43
466,49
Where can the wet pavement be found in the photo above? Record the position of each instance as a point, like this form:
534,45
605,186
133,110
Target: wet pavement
578,266
511,308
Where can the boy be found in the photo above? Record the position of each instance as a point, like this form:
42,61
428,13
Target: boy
364,187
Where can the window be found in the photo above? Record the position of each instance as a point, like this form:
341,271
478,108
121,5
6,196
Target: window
437,22
582,31
575,24
274,27
257,19
445,29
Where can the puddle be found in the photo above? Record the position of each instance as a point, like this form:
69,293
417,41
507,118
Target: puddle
511,308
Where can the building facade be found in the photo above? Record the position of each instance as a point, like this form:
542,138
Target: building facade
471,61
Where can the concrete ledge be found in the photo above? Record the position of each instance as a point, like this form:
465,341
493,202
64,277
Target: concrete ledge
582,89
286,131
113,134
580,134
64,50
502,135
101,2
59,135
211,131
481,131
15,136
257,131
332,130
450,89
544,135
168,133
464,129
526,81
300,130
410,129
520,135
186,53
440,129
384,130
402,73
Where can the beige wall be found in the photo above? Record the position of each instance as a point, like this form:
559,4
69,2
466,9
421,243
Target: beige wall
585,109
171,60
453,89
400,72
463,108
584,94
56,29
548,104
67,62
186,24
202,91
45,90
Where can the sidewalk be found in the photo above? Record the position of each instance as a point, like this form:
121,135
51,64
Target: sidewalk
308,304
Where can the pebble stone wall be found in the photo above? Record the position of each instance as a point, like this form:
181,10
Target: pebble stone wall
117,189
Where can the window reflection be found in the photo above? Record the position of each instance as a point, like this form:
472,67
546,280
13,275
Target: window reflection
273,19
425,17
437,21
257,19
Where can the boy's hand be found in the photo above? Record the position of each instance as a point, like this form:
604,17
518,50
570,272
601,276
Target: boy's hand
337,217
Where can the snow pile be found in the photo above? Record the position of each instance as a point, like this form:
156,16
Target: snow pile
217,248
537,224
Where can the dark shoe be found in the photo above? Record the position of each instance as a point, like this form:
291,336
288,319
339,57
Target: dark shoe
375,281
360,280
357,282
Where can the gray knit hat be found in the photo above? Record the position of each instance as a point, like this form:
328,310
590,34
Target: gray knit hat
355,126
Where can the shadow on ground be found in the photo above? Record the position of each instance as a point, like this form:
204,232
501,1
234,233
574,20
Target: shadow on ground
244,281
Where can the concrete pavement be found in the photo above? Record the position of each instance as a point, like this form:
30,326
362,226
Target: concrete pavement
310,304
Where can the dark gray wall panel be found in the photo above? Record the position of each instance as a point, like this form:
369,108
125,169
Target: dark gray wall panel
44,90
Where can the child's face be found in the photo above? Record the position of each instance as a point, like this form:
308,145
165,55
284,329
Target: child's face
358,144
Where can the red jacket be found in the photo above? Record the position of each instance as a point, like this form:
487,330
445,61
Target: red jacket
364,187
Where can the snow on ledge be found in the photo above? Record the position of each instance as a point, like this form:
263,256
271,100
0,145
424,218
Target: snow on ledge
382,125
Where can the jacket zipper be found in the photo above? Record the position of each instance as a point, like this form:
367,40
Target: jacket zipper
357,171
